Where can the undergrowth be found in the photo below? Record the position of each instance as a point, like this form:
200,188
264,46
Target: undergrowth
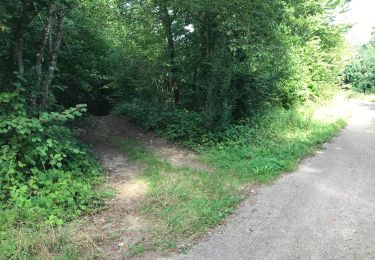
47,178
183,203
173,124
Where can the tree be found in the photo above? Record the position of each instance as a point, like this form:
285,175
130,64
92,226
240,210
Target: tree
237,57
360,72
19,24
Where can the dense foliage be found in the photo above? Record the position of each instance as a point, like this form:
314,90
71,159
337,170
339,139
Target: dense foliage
227,59
222,59
360,72
183,69
193,71
44,173
173,124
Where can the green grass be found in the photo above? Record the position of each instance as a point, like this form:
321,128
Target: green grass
275,146
46,242
183,203
135,250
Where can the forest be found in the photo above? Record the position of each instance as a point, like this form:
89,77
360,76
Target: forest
233,81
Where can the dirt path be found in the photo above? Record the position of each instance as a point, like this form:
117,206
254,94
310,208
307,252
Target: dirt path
324,210
110,126
121,224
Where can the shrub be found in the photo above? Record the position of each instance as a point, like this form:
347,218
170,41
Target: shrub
170,123
360,73
45,175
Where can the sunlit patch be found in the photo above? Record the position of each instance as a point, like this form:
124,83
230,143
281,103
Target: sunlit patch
331,191
131,190
362,117
310,170
338,108
189,28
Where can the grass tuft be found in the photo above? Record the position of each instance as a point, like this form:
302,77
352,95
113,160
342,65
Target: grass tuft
47,242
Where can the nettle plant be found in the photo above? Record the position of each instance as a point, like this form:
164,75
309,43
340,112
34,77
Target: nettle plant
44,172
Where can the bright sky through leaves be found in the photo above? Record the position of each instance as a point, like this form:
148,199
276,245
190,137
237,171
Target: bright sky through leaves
362,16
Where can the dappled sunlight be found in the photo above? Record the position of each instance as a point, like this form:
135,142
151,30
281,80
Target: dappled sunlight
131,190
291,135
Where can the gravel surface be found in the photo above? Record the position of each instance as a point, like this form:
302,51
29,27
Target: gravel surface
324,210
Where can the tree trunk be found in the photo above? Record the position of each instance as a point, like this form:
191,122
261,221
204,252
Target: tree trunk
43,44
53,62
15,62
167,20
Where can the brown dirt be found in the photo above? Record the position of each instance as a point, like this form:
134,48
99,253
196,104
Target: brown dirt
121,223
174,154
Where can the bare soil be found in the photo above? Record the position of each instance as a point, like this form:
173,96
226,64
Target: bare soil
121,224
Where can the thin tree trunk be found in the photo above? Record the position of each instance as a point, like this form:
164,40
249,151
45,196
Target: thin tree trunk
53,62
43,44
167,22
17,52
15,62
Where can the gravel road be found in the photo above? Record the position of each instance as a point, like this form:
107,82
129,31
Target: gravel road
324,210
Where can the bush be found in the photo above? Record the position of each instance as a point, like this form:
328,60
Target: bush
45,175
360,73
172,124
183,126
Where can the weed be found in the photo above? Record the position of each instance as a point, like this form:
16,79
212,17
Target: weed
135,249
